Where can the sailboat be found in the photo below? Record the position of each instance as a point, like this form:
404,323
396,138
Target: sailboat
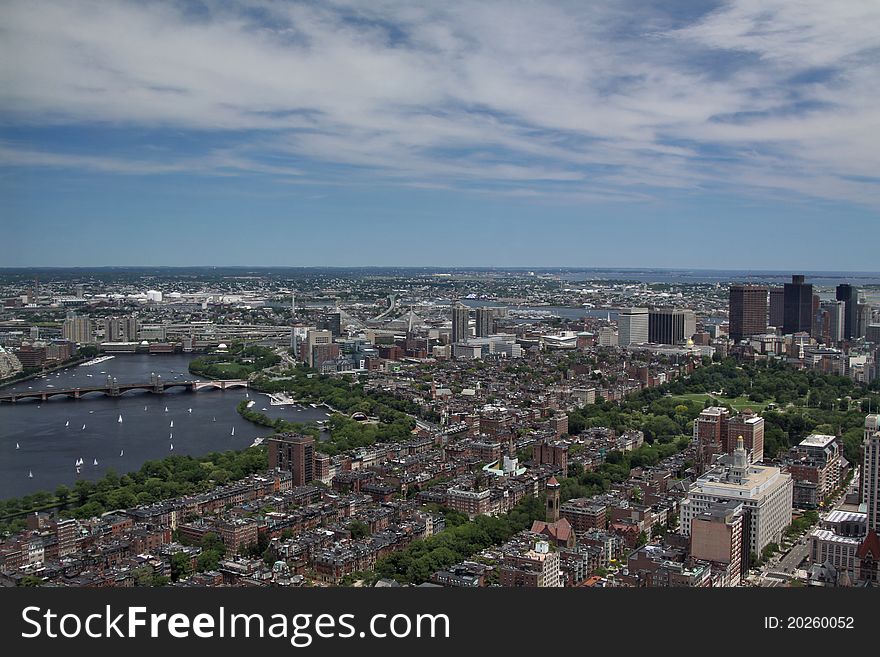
16,446
95,462
121,452
120,418
67,424
84,428
172,448
171,437
145,408
213,419
233,431
79,461
30,474
189,410
172,425
166,409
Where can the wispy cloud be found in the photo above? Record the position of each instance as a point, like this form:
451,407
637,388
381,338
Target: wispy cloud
586,100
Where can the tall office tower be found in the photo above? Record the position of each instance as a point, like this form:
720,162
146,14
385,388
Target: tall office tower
748,311
294,453
864,314
460,330
632,325
850,297
671,325
77,328
831,327
870,483
777,307
798,306
331,322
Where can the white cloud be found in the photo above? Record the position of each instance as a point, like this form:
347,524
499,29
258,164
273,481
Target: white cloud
577,99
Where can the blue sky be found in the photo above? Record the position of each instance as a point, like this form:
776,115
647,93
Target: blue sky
730,134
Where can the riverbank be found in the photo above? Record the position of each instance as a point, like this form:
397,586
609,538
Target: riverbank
36,375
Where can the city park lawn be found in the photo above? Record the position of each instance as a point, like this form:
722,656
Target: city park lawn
737,403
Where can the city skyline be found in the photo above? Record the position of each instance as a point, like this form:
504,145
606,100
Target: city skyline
619,134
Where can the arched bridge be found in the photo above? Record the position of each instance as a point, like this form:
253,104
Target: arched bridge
114,389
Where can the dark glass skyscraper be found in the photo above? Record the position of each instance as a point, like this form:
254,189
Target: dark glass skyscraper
850,297
748,311
798,306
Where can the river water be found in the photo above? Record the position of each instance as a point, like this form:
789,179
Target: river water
47,438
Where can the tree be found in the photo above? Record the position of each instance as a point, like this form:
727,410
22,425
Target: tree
358,529
62,494
180,565
31,581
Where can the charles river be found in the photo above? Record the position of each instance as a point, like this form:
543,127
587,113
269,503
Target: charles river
46,439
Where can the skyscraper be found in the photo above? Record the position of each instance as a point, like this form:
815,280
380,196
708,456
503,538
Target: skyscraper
487,318
671,325
797,306
632,324
77,328
460,315
850,298
777,307
832,321
870,483
748,311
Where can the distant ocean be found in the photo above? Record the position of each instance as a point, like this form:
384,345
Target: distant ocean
720,276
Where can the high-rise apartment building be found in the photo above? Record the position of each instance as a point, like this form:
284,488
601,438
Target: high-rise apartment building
797,306
487,320
460,320
77,328
294,453
632,325
748,311
315,339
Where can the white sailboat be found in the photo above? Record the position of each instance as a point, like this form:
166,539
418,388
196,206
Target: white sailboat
67,424
16,446
30,474
172,425
121,452
213,419
166,409
189,410
79,461
233,431
145,408
95,462
172,448
120,418
171,436
84,428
